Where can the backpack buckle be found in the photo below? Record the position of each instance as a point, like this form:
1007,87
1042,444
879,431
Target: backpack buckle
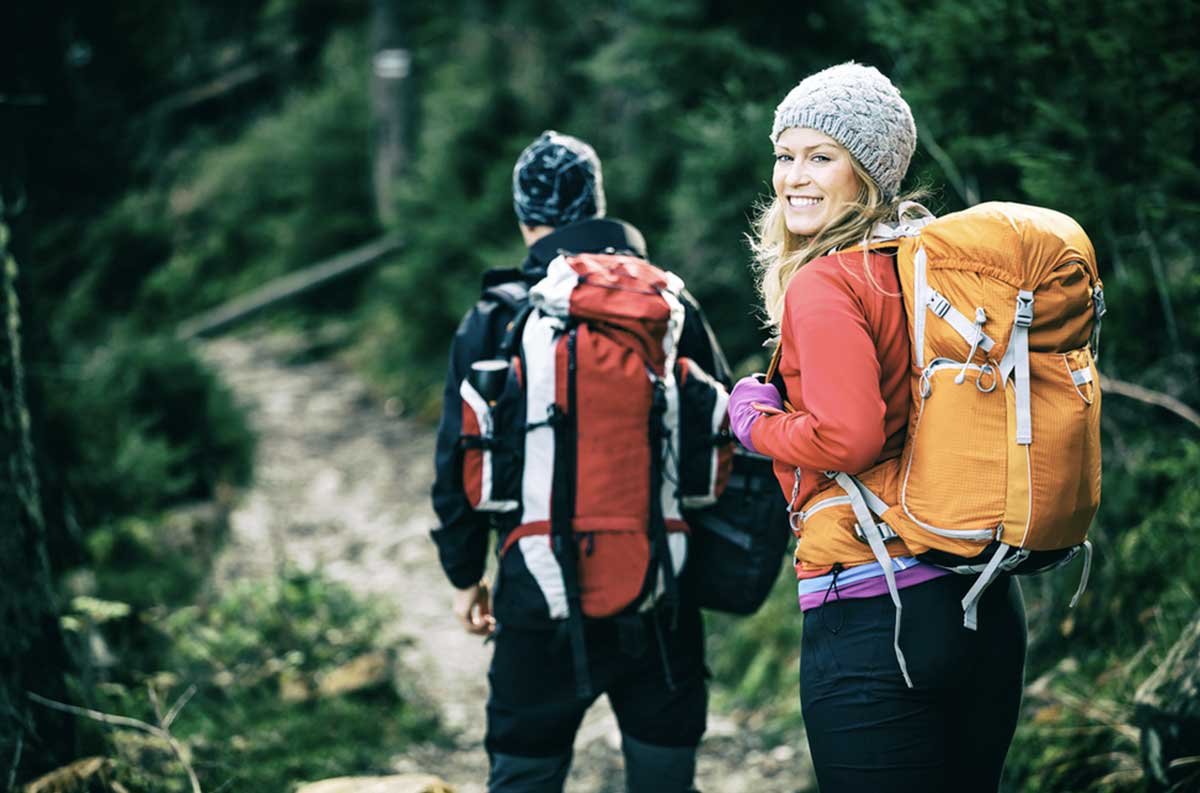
1024,317
886,532
938,304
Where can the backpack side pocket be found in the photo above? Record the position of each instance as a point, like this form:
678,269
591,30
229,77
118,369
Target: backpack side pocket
489,444
705,445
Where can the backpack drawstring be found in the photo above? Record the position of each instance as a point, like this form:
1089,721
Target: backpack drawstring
980,319
837,569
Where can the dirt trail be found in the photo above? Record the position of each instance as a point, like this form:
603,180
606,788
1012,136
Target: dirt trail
343,486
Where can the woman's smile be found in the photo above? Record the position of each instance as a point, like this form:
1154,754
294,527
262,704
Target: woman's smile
814,179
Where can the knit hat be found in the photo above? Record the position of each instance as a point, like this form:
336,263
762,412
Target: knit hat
557,181
859,108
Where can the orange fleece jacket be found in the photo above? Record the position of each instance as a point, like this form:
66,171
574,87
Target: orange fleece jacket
845,368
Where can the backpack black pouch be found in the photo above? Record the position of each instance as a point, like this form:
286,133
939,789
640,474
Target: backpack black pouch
738,545
704,439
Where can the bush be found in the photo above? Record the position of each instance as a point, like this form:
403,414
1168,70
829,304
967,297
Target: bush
256,721
756,660
293,189
144,425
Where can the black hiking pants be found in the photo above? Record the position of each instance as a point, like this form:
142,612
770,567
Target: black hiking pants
533,710
869,732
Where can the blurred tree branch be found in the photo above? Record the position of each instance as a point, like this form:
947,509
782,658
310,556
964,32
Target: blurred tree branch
226,82
288,286
1143,394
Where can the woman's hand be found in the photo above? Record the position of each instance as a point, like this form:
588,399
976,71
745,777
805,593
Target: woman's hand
750,400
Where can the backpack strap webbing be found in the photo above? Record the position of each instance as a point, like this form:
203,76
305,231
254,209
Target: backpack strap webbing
875,534
661,564
512,293
562,513
773,375
1015,362
512,336
658,524
970,601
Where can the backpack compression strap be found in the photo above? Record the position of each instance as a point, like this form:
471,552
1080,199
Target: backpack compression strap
661,563
1016,363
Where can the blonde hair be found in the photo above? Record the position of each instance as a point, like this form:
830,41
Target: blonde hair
779,254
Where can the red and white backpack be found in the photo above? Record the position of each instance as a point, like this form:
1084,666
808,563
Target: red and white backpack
592,434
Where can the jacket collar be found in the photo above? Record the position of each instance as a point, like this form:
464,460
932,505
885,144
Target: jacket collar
595,235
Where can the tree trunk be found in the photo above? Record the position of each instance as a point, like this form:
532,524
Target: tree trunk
31,647
1168,712
391,94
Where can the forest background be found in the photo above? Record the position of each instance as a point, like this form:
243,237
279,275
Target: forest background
158,158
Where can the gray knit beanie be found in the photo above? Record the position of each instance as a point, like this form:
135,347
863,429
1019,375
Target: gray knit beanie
859,108
557,181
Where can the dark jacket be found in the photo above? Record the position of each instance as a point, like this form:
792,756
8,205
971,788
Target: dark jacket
462,537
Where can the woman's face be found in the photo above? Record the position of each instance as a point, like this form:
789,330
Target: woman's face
813,179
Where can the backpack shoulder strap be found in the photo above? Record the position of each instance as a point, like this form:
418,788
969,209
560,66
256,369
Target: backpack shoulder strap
514,293
774,378
507,288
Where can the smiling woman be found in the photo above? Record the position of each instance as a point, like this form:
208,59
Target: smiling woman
832,184
814,180
842,140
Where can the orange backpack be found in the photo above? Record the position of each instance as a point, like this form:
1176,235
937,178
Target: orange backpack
1001,467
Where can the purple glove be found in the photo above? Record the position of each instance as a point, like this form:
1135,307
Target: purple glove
746,393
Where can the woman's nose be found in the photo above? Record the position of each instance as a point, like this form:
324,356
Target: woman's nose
797,173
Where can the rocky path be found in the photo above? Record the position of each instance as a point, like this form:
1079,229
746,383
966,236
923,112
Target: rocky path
342,484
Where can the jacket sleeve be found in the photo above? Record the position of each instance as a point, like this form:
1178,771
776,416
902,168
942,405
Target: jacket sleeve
827,338
698,342
462,534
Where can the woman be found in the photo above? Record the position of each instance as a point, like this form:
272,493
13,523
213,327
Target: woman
940,715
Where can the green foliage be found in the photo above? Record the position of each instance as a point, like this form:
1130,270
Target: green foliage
290,190
649,85
1107,140
1078,730
709,220
147,205
184,154
755,660
1073,107
148,425
298,621
255,657
1079,108
135,563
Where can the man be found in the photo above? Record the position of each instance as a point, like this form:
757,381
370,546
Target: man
651,666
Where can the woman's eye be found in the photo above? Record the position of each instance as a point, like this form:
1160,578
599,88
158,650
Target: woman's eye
820,158
783,158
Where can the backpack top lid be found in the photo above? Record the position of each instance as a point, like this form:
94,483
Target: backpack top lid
623,294
1017,244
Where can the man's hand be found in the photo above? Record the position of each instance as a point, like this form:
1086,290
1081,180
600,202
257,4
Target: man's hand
473,607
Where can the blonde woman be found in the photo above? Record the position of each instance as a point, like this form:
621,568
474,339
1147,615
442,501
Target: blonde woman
843,139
